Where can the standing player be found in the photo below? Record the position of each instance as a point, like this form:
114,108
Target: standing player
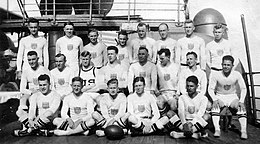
190,43
30,79
219,47
62,76
143,68
123,49
97,49
222,89
71,46
192,69
80,108
45,102
166,42
167,80
191,109
113,70
113,108
142,41
33,42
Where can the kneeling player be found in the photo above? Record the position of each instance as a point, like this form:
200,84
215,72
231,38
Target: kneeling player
113,108
47,103
80,106
191,109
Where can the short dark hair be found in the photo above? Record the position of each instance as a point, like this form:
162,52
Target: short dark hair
68,23
141,24
112,48
92,30
30,53
44,77
77,78
112,81
33,20
137,79
193,79
164,24
60,55
122,32
192,53
188,21
143,48
166,51
85,53
228,57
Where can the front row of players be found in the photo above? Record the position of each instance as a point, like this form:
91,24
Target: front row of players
142,116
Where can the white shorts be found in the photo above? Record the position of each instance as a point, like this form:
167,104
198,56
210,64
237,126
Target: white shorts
167,95
227,99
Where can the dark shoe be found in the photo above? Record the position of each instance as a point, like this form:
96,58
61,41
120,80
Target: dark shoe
22,133
45,132
187,129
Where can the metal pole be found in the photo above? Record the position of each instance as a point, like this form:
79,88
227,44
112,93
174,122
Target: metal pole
128,16
7,14
46,5
54,12
90,11
249,67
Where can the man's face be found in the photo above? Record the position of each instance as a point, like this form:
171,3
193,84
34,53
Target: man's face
33,28
164,59
76,87
44,86
122,40
33,60
227,66
189,28
112,89
142,55
60,62
111,54
86,60
93,37
191,60
141,30
191,88
218,34
139,87
163,31
68,29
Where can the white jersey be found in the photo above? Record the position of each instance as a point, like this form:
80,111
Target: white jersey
30,77
195,44
89,78
113,108
124,55
30,43
170,44
143,106
98,53
223,85
147,71
43,103
216,51
168,76
70,47
62,80
109,71
148,43
79,107
200,74
189,108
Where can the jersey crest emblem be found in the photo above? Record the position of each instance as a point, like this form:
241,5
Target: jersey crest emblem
77,110
121,56
33,45
45,105
70,47
114,111
113,76
35,81
190,46
167,77
220,52
227,87
61,81
141,108
191,109
93,55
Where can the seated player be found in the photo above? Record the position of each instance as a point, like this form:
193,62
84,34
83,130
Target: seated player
46,102
192,111
222,89
113,108
144,113
29,81
80,108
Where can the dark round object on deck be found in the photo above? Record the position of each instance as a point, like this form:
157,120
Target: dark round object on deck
114,132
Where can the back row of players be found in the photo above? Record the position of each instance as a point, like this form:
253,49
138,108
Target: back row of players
153,81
